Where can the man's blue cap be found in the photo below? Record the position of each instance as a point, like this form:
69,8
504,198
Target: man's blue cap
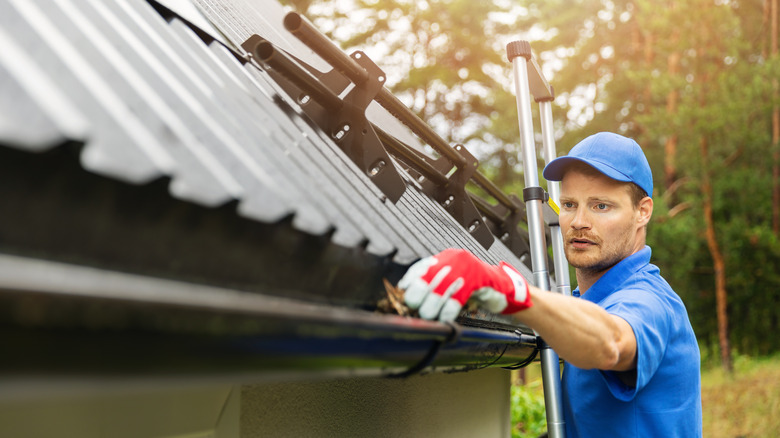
617,157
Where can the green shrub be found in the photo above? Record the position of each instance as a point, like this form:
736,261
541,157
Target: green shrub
528,417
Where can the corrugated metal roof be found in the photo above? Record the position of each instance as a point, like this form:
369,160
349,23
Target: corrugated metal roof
193,169
149,98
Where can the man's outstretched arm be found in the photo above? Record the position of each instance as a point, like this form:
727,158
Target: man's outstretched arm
581,332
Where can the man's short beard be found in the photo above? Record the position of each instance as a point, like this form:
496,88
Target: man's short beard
598,267
610,254
593,267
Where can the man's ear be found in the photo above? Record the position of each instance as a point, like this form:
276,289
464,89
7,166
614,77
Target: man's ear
645,210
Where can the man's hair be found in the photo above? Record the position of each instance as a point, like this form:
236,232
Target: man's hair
636,193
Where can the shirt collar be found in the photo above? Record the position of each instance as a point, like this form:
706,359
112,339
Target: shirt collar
617,275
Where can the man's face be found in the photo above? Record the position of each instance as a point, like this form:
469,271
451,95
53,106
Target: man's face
599,223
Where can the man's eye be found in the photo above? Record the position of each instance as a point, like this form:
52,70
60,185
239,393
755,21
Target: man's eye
568,204
601,206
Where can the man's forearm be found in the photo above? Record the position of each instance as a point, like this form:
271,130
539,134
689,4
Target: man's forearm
581,332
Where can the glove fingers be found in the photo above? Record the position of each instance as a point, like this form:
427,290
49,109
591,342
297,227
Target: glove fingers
450,310
425,298
433,304
415,293
419,290
415,288
417,271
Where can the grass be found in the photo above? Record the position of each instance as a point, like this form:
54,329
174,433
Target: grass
743,405
746,404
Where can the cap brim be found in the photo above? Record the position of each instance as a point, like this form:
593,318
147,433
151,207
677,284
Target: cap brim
556,168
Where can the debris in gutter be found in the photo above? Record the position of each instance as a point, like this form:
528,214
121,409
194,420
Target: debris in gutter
394,302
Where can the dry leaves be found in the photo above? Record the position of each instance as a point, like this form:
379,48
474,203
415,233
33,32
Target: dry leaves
394,301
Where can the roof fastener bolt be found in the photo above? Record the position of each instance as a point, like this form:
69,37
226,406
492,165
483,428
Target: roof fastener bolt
377,167
338,135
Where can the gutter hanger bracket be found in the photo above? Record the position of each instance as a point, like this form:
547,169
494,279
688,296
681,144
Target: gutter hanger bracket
430,356
532,357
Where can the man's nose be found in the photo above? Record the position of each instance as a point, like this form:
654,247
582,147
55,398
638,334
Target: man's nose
580,220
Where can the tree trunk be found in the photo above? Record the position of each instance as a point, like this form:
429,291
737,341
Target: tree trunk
773,11
642,41
718,263
670,148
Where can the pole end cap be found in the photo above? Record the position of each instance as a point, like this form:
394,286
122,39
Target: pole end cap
518,48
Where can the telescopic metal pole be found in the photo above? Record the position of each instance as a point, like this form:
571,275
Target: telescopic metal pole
519,54
554,188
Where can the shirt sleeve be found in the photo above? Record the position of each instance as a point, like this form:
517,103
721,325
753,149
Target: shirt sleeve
649,318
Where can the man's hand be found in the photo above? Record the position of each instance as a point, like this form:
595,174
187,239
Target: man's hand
441,285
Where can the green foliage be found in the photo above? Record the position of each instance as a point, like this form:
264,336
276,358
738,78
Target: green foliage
528,416
751,251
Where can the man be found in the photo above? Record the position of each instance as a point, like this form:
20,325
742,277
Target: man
632,360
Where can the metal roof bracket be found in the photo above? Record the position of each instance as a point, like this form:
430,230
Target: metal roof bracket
343,119
354,134
454,198
506,225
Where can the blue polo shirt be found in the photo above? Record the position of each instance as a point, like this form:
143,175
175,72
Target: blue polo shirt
666,401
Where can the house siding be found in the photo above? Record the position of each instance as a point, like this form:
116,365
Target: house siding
474,404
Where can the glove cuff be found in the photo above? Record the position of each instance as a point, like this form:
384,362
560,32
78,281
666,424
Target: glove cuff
519,296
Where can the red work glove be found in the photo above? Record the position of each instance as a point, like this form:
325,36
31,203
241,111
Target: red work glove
441,285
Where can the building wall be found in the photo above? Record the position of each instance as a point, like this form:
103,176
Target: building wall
436,405
474,404
85,411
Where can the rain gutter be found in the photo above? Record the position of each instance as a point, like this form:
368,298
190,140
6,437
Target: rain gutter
65,320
